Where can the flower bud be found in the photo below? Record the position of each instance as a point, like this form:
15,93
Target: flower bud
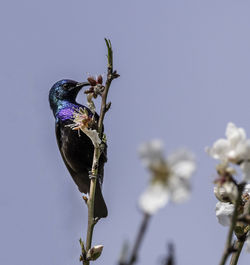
95,252
226,192
99,79
92,81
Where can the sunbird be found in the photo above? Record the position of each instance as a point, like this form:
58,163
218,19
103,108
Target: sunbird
75,147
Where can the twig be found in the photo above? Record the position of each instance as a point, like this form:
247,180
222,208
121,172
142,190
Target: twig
97,152
124,253
111,75
170,259
228,247
140,235
241,238
91,201
235,256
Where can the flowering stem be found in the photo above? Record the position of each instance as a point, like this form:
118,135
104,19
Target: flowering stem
97,152
235,256
228,247
140,235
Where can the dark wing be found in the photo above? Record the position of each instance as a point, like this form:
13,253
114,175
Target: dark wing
76,152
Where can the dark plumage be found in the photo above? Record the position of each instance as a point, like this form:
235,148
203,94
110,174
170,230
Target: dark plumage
77,151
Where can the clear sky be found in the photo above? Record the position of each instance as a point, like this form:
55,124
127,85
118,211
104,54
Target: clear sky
184,68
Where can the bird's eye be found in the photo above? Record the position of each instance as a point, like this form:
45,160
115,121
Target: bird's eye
65,86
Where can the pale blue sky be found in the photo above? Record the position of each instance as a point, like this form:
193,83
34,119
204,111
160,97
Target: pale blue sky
184,68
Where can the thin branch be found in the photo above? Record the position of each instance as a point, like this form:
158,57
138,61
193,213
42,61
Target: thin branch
107,85
241,238
97,152
170,259
229,247
235,256
91,200
140,236
124,254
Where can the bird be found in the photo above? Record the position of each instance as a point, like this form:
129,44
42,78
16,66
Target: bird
75,147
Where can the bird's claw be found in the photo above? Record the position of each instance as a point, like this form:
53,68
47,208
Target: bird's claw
91,176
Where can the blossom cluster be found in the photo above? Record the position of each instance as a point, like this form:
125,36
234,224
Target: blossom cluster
233,154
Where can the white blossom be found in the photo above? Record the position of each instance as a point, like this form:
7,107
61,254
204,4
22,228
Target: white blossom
235,148
170,177
224,212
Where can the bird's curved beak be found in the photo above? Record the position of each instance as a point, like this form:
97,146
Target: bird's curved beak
82,84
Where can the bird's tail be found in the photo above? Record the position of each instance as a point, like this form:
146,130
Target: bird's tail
100,208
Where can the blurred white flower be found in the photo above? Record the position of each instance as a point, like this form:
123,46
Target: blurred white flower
170,177
235,149
151,153
153,198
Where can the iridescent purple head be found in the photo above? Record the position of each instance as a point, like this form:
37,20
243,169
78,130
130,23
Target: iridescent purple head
64,91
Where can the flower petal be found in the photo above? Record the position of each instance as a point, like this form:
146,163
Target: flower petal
219,149
226,192
154,198
151,153
224,211
247,189
180,189
184,169
234,134
182,163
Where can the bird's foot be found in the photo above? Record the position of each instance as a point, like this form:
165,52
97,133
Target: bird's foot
91,176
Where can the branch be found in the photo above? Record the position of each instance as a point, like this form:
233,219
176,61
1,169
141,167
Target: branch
91,200
229,247
241,237
97,153
140,235
170,259
238,246
111,75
